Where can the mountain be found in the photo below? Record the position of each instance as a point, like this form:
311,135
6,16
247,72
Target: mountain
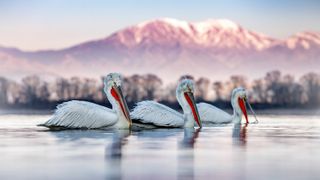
170,48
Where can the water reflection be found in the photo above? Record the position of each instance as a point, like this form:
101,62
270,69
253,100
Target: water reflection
239,134
76,135
113,154
239,139
185,167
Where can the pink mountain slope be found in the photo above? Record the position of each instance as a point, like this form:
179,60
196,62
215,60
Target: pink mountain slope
170,48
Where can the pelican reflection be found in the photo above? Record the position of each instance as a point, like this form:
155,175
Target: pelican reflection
113,154
186,154
239,134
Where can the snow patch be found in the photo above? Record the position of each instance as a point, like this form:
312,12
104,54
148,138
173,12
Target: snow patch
225,24
184,25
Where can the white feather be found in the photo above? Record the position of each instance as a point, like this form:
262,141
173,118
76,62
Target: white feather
81,114
157,114
212,114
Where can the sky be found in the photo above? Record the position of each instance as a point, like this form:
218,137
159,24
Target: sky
55,24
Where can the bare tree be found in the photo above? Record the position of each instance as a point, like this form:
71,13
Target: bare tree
14,93
273,89
169,93
238,81
311,84
133,88
62,89
218,88
259,91
152,86
34,90
202,88
3,91
74,88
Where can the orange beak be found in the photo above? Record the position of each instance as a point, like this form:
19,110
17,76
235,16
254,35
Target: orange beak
190,99
116,92
243,108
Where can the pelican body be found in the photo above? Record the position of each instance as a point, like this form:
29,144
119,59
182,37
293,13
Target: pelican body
211,114
86,115
159,115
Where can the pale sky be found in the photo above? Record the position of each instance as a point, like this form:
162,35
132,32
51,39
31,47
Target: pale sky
54,24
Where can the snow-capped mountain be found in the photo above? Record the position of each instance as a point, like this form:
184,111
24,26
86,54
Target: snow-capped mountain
217,34
170,48
305,40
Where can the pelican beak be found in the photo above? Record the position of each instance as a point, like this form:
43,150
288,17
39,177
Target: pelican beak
190,99
116,92
254,114
242,105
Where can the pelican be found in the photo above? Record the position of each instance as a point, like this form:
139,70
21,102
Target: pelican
159,115
86,115
212,114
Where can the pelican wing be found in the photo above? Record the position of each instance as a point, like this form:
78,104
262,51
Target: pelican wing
81,114
151,112
212,114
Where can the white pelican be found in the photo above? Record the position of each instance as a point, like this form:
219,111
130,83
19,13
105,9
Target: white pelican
87,115
151,112
212,114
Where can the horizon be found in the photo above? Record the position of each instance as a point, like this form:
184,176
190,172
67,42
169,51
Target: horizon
42,28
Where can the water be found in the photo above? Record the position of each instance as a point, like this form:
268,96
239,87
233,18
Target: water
279,147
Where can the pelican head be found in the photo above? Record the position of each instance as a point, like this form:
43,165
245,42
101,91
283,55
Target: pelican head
185,97
238,102
113,90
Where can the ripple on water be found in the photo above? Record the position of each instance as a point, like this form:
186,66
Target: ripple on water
279,147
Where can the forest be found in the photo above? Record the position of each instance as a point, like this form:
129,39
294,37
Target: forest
274,90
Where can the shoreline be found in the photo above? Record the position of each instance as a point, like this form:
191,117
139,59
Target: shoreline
274,111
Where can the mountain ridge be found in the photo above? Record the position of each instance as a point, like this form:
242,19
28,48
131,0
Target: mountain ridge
165,45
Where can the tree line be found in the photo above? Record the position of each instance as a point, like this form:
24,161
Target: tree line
273,90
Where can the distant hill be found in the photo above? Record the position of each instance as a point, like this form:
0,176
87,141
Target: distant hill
169,48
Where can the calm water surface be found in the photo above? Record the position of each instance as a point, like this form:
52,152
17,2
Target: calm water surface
279,147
